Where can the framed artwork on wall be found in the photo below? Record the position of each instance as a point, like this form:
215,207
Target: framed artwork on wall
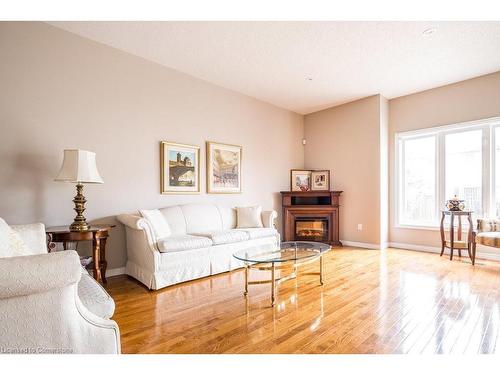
180,168
223,168
300,180
320,180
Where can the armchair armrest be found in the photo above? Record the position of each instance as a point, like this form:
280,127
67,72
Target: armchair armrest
34,236
268,218
488,225
26,275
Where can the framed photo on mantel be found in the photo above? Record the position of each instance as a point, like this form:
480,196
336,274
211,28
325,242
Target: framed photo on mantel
300,180
309,180
320,180
180,168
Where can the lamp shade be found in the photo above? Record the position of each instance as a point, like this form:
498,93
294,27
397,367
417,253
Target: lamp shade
79,166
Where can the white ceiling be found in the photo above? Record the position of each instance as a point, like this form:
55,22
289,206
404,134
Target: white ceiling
346,60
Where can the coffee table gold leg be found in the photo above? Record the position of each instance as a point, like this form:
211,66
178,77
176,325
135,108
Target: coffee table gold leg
321,269
246,281
272,285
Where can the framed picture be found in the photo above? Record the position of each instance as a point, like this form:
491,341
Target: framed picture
300,180
180,168
320,180
223,168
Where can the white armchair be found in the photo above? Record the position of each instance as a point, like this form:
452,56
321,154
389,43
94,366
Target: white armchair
40,307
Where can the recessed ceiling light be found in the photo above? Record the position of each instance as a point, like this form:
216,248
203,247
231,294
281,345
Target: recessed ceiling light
429,31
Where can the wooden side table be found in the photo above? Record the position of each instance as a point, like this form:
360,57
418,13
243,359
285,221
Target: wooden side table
98,234
458,243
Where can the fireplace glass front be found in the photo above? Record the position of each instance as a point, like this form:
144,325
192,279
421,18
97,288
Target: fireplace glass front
311,229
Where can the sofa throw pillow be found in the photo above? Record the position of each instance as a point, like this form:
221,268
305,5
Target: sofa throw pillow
249,217
158,222
11,243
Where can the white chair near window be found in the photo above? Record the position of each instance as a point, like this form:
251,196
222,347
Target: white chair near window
487,234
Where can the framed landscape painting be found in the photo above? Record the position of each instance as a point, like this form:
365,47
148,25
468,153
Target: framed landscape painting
180,168
223,168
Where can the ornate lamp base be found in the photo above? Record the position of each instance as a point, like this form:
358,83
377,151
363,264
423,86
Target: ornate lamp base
79,227
80,223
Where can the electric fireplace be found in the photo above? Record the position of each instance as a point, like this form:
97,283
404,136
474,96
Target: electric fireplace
311,216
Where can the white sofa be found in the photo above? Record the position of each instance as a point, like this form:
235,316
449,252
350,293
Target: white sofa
50,304
203,240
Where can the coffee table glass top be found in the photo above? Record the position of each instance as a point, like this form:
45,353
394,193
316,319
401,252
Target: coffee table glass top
285,252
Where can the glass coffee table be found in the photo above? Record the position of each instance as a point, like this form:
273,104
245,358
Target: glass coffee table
287,255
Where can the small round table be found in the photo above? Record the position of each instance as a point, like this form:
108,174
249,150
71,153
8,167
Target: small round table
98,234
458,244
287,255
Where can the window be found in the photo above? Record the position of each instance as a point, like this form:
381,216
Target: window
497,172
435,164
463,169
419,181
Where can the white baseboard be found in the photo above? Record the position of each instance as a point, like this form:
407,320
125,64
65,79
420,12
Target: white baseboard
434,249
363,245
408,246
115,272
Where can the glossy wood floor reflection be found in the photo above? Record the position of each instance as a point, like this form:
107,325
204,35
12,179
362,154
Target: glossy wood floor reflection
391,301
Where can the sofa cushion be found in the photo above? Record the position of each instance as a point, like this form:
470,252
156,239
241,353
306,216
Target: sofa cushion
33,236
11,243
94,297
249,217
228,216
226,236
488,225
175,219
183,242
158,222
488,239
260,232
201,218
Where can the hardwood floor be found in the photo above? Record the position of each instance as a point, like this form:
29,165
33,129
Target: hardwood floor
391,301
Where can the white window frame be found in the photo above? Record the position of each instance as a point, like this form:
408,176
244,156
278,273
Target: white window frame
487,126
400,174
493,161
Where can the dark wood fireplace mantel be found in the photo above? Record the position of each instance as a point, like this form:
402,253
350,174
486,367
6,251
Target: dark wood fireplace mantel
311,216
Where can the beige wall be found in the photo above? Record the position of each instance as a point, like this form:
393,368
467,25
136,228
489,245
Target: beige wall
384,171
60,91
346,139
473,99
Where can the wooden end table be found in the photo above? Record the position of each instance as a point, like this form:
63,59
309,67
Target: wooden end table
98,234
457,243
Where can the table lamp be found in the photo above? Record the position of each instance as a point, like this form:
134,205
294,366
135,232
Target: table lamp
79,167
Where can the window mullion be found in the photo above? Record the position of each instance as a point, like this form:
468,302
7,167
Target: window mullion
440,173
493,177
486,173
402,189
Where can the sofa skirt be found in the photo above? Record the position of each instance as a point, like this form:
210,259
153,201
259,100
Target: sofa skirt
177,267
